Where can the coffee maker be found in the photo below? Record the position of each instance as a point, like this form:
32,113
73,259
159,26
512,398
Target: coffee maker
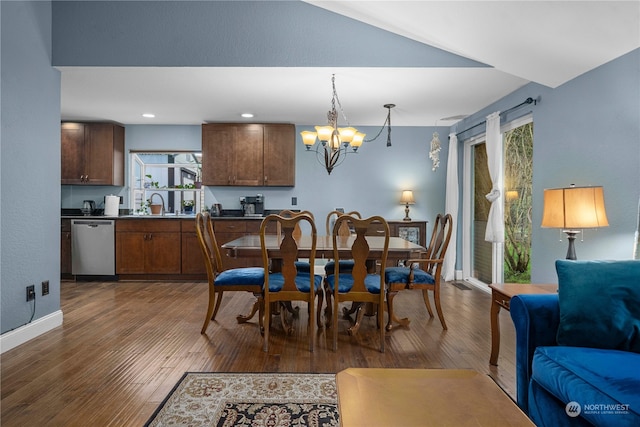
252,205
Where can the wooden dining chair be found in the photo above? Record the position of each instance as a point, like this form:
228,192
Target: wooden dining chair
422,273
289,283
345,264
361,284
303,266
246,279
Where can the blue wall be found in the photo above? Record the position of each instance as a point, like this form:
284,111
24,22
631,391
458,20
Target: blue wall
586,132
369,181
30,158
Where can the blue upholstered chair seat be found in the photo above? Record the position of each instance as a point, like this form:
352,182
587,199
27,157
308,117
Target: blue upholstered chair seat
371,282
241,276
401,275
276,282
589,376
303,266
346,266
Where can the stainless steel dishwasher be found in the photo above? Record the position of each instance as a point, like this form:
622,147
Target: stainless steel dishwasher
93,247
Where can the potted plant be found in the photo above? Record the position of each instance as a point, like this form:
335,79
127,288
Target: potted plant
187,206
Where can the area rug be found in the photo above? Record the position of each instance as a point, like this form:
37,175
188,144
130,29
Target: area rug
247,399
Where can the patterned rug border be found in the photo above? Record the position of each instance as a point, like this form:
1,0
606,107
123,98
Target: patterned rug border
317,399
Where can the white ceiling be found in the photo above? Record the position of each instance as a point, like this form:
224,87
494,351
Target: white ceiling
547,42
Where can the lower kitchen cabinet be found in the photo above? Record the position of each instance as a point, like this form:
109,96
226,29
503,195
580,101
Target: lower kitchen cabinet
65,248
148,246
192,259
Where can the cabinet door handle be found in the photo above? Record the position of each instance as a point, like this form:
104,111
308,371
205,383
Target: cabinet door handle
150,236
265,179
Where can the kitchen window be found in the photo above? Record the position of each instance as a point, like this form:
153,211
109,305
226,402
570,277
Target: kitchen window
172,179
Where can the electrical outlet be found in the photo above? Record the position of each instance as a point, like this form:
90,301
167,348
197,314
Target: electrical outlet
45,288
294,201
31,292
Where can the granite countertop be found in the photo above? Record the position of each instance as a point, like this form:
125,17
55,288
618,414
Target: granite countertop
231,214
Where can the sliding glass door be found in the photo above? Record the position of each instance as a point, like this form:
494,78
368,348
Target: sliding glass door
485,262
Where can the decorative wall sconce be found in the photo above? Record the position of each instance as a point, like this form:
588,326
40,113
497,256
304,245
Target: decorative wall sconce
337,142
574,208
434,152
407,199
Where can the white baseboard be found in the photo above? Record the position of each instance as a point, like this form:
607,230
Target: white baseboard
14,338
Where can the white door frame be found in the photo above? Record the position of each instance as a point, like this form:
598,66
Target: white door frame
497,269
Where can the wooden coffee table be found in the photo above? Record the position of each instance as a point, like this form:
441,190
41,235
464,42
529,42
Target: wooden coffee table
374,397
501,294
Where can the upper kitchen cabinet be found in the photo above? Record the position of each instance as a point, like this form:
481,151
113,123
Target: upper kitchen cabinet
92,154
240,154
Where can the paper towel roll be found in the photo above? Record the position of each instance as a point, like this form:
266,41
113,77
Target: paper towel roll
111,205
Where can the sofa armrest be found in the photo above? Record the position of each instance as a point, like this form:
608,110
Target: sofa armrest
536,318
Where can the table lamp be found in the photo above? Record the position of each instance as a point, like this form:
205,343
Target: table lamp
574,208
407,199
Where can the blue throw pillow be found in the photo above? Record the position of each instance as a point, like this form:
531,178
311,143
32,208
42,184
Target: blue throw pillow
599,304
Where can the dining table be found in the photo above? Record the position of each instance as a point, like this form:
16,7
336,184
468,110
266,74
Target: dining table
399,249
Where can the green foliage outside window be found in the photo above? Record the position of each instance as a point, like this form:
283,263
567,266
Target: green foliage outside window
518,145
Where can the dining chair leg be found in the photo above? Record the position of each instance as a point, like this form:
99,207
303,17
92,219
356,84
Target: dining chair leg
311,331
329,308
210,309
381,325
334,322
436,297
425,297
320,295
217,307
260,307
267,319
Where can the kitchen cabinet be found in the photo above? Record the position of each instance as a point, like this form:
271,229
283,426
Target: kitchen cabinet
279,155
238,154
148,246
65,248
92,154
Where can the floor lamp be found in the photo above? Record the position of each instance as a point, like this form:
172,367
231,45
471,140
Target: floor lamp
572,209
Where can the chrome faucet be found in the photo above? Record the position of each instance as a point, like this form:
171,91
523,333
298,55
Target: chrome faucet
161,198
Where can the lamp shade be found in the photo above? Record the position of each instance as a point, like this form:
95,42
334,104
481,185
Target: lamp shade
308,138
407,198
574,208
346,134
324,132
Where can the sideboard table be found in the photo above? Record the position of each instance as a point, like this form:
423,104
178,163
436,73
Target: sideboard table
501,294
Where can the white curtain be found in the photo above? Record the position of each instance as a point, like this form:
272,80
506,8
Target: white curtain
495,223
451,207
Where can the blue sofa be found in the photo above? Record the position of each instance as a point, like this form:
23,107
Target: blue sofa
578,351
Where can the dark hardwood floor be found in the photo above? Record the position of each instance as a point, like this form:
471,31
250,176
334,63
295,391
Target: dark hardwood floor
123,346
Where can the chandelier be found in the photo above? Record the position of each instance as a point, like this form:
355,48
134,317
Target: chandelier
335,142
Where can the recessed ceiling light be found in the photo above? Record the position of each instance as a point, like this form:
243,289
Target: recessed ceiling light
149,115
247,115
